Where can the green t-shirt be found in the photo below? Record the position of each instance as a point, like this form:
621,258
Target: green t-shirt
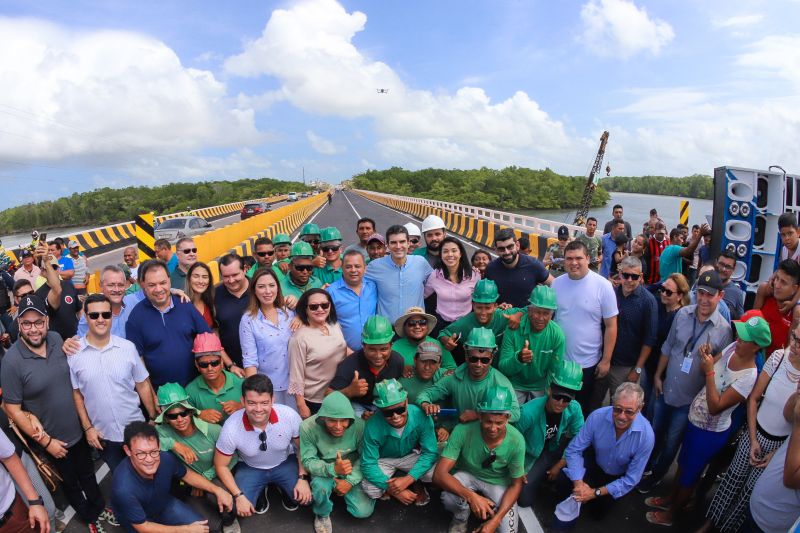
670,261
203,398
328,274
468,449
203,447
414,385
288,288
464,325
407,349
548,351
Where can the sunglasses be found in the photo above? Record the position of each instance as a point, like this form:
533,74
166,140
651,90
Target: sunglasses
481,360
263,438
311,241
328,249
301,268
189,250
265,254
213,364
562,398
94,315
315,307
175,416
627,275
420,322
415,240
489,460
620,410
666,292
389,413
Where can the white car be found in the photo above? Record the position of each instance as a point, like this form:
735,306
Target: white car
291,197
177,228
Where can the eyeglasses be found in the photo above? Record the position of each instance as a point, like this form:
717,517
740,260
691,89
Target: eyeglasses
154,454
315,307
180,414
264,254
94,315
481,360
189,250
561,398
626,412
666,292
723,266
306,268
415,240
389,413
420,322
489,460
510,247
28,325
628,275
263,438
328,249
213,364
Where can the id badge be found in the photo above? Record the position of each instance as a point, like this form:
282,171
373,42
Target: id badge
686,365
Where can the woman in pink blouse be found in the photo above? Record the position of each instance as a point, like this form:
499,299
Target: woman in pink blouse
453,282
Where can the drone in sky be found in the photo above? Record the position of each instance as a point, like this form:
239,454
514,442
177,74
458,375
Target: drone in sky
382,91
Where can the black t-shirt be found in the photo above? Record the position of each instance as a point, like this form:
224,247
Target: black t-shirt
63,320
229,310
552,421
356,361
515,285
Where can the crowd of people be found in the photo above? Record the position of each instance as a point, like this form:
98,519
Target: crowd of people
350,376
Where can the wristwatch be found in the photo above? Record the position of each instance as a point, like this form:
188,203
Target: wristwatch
638,370
597,493
305,477
37,501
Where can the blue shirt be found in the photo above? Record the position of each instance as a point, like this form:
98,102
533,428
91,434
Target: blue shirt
399,287
136,500
609,247
515,285
625,457
670,261
637,325
172,264
65,263
165,339
352,309
265,345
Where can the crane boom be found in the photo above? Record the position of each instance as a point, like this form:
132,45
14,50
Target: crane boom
588,191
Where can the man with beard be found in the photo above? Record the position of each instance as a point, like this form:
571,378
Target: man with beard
734,296
516,275
433,231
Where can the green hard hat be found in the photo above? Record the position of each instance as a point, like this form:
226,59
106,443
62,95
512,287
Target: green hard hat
481,338
377,330
281,238
309,229
330,234
388,392
485,292
301,249
496,399
544,297
569,375
170,393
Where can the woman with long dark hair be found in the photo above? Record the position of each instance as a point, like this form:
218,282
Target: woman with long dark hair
200,290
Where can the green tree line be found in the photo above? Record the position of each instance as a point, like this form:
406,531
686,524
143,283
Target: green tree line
109,206
694,186
508,189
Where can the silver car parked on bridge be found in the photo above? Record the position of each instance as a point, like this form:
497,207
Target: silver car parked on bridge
177,228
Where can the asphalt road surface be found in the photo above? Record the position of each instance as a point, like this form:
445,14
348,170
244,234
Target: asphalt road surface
628,514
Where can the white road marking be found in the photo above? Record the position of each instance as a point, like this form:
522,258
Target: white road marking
309,221
529,520
102,472
351,205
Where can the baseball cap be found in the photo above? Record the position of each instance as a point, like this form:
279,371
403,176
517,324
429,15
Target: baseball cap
754,329
73,244
709,282
429,351
563,233
26,253
32,302
376,237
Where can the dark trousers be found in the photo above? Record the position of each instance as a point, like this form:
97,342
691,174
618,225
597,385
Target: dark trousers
597,508
16,518
537,474
584,396
112,454
80,485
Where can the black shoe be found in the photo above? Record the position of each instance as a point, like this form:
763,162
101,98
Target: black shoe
288,502
262,504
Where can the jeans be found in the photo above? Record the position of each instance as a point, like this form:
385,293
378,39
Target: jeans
252,481
80,485
460,508
537,474
176,513
669,425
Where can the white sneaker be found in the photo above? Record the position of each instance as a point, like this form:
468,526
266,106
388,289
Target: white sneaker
233,528
322,524
457,526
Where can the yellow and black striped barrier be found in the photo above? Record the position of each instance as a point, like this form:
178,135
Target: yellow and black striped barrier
145,236
683,215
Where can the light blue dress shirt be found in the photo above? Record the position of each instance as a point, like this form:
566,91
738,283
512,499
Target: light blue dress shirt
399,287
353,310
117,322
266,345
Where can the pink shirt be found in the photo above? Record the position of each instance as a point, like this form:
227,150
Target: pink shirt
31,276
453,300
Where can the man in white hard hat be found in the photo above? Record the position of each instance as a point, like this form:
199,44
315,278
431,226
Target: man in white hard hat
433,229
414,236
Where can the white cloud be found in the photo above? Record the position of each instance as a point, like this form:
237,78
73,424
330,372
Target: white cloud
620,28
738,21
778,53
68,93
309,49
323,145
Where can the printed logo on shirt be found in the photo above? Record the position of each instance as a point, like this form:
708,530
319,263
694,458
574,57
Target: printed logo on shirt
68,300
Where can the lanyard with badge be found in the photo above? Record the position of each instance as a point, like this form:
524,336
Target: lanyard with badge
686,365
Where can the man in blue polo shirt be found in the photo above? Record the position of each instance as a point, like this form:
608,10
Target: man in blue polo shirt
355,298
163,329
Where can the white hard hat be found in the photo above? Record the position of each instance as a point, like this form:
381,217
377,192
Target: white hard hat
432,222
413,230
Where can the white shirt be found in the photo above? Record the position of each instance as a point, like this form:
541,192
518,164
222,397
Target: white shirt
795,255
7,492
583,304
239,435
107,379
781,385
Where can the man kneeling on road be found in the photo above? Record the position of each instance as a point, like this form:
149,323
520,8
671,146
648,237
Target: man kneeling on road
402,438
140,488
487,457
329,443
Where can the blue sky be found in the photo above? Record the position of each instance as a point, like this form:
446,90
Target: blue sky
100,93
